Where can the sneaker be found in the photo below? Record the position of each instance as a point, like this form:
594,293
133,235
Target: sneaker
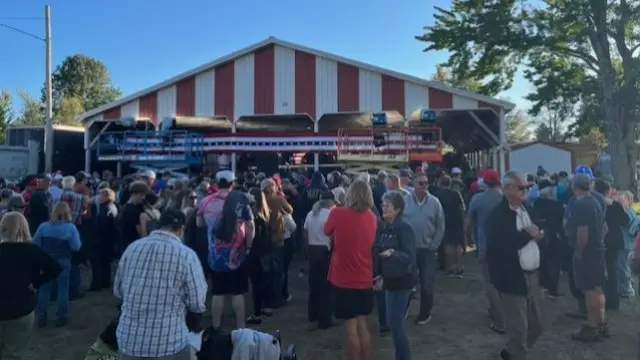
421,320
63,321
288,299
554,295
254,320
267,312
41,323
586,334
460,273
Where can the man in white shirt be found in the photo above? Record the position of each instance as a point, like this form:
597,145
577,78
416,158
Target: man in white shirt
319,305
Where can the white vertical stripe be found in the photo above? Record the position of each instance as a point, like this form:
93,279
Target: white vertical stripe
131,109
243,89
205,83
415,98
166,104
370,94
464,103
326,87
285,81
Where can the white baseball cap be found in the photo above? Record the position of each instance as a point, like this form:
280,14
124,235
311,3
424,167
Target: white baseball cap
456,171
226,175
149,174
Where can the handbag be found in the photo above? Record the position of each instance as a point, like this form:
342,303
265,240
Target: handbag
529,256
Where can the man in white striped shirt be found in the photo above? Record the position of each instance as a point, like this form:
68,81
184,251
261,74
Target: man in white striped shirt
159,280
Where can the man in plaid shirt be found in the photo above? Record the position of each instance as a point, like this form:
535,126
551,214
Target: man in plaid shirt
159,280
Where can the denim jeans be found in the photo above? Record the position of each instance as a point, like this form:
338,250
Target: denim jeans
381,306
396,306
75,281
625,280
427,263
62,290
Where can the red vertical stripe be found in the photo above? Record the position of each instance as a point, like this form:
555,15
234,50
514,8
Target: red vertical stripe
264,82
305,91
484,105
393,94
224,90
440,99
186,97
112,114
149,107
348,88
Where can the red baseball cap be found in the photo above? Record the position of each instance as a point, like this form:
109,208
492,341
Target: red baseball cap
490,176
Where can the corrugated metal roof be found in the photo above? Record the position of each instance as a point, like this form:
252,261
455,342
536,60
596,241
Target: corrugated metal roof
274,41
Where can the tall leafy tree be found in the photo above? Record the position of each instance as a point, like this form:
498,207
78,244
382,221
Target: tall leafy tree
444,76
68,111
6,113
580,51
518,126
551,123
31,111
84,78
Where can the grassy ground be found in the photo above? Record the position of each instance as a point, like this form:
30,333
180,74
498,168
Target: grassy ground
459,329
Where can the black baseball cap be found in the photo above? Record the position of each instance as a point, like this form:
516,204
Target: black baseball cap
172,218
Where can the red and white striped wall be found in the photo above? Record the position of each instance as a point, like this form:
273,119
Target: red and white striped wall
277,79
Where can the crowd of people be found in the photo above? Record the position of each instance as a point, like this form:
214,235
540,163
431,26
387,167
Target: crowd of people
368,242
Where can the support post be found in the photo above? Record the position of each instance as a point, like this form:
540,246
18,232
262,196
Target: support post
503,146
316,156
494,157
87,149
233,154
48,129
119,170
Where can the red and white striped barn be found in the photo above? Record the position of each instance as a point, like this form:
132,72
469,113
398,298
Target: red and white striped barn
275,77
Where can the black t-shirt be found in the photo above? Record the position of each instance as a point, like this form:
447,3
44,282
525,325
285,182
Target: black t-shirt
127,223
39,208
22,265
453,208
616,219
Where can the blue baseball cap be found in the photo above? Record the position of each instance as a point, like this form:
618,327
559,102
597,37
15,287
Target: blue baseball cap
583,170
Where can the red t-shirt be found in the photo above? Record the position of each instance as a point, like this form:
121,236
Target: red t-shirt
353,236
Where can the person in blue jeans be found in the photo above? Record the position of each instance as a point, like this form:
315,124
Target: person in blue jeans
395,269
59,238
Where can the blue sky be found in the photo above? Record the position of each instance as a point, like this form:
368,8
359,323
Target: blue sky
143,42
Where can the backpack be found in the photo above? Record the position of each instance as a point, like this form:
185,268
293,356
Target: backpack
222,256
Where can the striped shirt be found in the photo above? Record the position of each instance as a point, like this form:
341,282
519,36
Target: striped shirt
159,279
75,201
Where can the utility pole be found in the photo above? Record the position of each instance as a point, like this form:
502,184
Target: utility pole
48,129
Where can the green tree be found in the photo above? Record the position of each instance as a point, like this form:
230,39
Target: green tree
518,126
446,77
578,51
85,78
6,113
68,111
551,123
31,111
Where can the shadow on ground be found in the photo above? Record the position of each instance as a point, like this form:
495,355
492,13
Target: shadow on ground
459,329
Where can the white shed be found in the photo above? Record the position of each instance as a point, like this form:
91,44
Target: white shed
528,156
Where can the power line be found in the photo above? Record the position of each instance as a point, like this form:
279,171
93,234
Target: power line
21,18
22,31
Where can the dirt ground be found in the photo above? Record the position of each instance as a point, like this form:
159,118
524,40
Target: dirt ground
459,329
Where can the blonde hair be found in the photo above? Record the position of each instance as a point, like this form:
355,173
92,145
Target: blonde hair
266,185
14,228
61,213
109,194
359,196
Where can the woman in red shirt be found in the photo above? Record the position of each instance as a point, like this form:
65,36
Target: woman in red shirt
353,229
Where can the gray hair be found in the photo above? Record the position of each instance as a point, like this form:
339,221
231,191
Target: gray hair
396,199
364,177
511,176
548,193
68,182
